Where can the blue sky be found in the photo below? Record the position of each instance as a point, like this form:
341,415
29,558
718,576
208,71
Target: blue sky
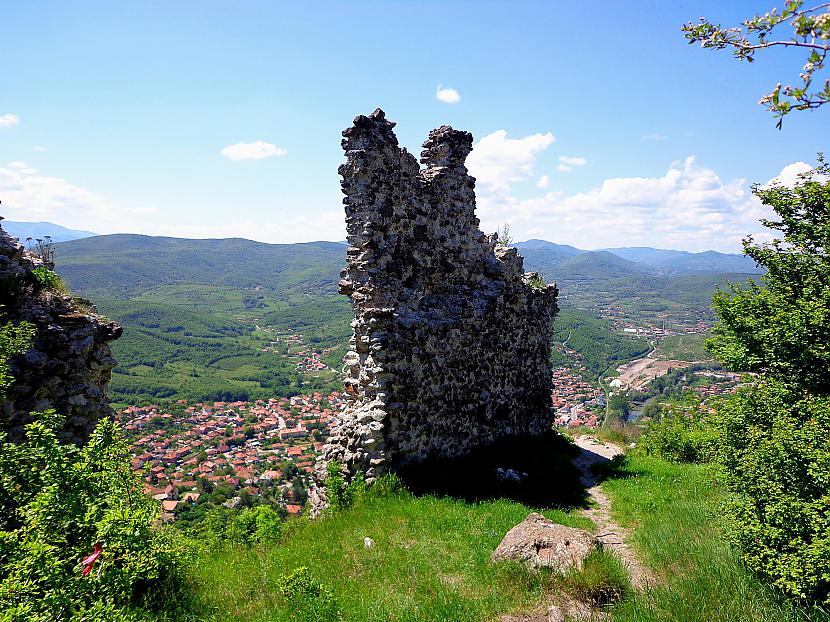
598,124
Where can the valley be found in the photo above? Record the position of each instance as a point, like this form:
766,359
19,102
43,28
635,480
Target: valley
233,319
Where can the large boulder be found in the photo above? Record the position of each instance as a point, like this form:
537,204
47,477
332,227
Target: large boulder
541,543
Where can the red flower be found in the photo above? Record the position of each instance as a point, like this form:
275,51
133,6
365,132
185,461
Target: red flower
89,560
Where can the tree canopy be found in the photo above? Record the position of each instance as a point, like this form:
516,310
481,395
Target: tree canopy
782,325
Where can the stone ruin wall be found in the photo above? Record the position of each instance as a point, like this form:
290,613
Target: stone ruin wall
451,343
69,364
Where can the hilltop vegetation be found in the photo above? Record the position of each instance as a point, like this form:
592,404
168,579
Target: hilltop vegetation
594,344
202,317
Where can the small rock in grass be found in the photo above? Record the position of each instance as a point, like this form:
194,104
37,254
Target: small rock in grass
541,543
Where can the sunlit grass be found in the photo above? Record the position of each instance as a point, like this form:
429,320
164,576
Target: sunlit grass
430,561
674,510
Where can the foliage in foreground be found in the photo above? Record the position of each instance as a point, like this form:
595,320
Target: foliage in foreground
77,535
781,326
14,340
684,431
260,524
675,510
810,31
777,463
776,435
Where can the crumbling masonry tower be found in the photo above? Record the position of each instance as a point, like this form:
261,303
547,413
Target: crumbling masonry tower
451,343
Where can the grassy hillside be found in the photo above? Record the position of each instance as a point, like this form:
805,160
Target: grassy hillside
684,348
598,347
430,560
204,319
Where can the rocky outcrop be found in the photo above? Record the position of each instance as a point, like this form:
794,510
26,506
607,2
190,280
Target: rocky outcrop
451,342
69,364
541,543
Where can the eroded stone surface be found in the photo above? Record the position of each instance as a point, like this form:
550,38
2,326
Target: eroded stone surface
541,543
70,362
451,342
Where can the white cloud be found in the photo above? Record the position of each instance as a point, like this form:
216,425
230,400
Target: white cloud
448,95
38,148
256,150
789,175
689,207
566,163
28,195
573,160
9,119
543,182
496,160
653,137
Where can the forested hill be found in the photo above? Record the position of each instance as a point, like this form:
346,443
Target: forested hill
128,264
200,316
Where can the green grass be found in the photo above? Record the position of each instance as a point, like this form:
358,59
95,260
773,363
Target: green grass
430,561
689,347
674,510
603,580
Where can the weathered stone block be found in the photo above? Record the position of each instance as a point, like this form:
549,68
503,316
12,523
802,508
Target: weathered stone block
70,362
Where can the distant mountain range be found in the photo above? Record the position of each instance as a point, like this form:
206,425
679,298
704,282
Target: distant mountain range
191,307
35,230
549,258
546,257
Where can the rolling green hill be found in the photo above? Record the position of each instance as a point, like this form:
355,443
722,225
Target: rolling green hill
210,319
207,319
597,345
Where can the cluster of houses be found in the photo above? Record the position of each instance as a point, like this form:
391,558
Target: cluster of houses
241,444
251,446
720,383
297,351
575,400
640,330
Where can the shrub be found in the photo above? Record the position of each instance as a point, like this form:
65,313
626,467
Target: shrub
684,431
256,525
44,279
536,282
311,600
77,533
602,580
340,494
776,461
15,339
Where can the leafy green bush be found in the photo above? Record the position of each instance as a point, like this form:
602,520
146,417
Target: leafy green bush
311,600
78,539
776,436
776,461
44,279
15,339
684,431
257,525
340,494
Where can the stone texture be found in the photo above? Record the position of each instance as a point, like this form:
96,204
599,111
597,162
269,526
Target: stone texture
70,362
451,338
541,543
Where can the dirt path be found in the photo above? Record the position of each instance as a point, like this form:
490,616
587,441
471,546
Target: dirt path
613,536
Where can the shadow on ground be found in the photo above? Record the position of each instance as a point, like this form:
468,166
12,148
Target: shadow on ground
536,471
